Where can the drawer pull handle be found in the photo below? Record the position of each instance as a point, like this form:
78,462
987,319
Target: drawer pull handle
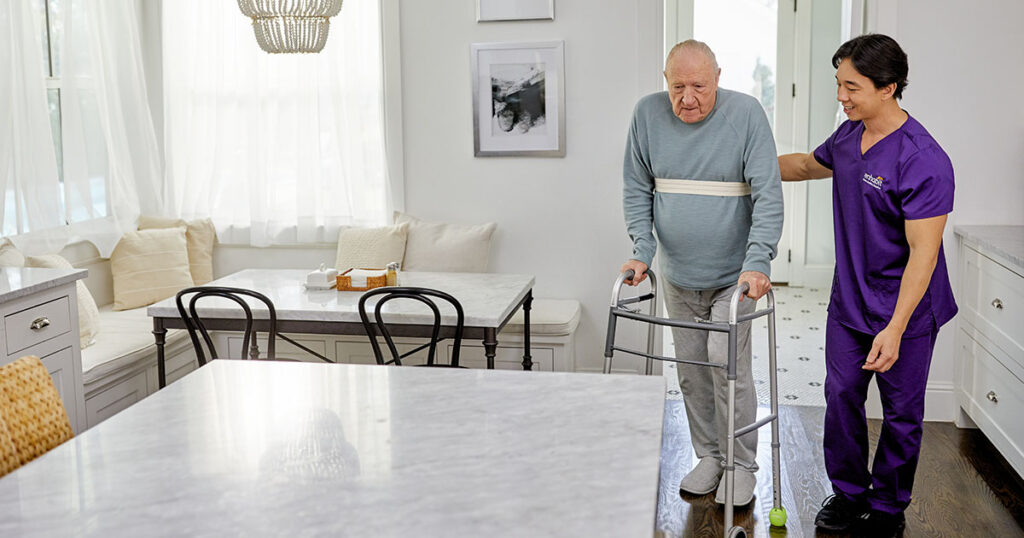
997,303
992,396
40,323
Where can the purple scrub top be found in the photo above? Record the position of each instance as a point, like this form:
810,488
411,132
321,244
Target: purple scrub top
904,176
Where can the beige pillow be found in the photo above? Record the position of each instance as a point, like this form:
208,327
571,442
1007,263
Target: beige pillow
88,314
446,247
200,237
371,248
10,256
149,266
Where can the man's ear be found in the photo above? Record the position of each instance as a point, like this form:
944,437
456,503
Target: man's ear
718,75
888,91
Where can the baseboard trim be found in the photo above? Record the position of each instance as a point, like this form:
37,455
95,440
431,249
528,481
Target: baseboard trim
817,275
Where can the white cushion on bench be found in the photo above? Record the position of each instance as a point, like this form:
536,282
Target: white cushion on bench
549,317
125,337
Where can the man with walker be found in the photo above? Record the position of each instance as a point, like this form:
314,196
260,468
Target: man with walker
892,191
701,174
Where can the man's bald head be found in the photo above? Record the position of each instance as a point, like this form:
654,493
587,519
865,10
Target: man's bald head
692,46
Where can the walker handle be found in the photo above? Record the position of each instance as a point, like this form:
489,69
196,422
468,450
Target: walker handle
628,274
734,303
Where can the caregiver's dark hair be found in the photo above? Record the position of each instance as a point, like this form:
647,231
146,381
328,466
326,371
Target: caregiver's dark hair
877,57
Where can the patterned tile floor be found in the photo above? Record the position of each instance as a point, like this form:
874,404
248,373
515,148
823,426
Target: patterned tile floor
800,337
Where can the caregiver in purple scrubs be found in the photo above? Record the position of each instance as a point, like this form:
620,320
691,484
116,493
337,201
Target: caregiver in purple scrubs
892,191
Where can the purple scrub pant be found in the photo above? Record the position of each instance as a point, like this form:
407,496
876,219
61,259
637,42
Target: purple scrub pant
902,389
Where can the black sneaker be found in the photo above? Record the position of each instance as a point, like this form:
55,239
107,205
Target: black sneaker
881,525
839,513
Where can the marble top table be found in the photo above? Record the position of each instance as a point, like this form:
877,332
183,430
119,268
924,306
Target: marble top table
259,448
488,300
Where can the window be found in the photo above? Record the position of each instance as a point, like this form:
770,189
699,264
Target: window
275,148
75,204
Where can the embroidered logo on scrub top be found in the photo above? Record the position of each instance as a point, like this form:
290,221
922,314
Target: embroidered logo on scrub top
875,182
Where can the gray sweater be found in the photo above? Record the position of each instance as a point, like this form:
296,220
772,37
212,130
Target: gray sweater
706,241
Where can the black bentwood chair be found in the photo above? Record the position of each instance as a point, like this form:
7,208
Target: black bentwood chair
195,324
378,327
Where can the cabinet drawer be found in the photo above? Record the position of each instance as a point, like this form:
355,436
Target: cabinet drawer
37,324
998,394
999,303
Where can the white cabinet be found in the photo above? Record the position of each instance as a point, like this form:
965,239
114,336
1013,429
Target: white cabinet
990,335
39,313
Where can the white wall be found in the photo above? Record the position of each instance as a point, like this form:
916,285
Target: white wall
965,82
558,218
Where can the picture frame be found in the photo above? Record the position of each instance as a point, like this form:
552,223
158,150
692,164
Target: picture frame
514,10
518,99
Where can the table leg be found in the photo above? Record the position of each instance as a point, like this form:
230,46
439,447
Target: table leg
490,346
159,332
527,358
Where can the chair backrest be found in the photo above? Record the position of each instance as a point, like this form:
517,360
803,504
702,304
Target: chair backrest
196,328
32,415
376,326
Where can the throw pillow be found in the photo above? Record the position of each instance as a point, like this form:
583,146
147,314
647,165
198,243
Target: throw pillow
10,256
434,246
149,266
200,237
371,248
88,314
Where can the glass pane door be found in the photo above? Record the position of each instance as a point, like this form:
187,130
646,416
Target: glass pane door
743,34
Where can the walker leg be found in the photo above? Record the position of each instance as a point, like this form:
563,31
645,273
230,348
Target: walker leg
653,311
777,515
730,467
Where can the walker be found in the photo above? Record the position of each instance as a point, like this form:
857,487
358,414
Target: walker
777,515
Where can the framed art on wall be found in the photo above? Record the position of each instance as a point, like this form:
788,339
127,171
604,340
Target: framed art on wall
518,99
514,10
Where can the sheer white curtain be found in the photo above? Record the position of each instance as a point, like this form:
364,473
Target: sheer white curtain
275,148
107,141
28,164
107,124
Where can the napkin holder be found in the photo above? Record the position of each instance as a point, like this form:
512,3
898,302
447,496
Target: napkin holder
356,279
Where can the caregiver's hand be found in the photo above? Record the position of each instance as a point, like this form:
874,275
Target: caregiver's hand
884,350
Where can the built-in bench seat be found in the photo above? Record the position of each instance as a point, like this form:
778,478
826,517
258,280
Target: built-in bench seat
553,325
554,317
125,339
119,369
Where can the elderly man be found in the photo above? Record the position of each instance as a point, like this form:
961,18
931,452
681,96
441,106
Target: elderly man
701,170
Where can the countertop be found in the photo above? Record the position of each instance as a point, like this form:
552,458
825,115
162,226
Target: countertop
1004,242
247,448
18,282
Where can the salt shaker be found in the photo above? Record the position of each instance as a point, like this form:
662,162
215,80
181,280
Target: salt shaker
392,274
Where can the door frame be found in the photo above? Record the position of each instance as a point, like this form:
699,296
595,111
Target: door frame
792,111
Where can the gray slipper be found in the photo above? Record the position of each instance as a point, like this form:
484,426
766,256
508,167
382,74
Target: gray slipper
743,490
703,478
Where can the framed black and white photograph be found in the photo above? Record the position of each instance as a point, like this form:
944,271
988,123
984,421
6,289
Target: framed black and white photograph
514,10
518,99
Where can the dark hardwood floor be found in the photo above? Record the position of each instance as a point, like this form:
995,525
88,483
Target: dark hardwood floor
963,486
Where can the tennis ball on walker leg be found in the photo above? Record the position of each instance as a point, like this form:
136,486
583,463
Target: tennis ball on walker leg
777,517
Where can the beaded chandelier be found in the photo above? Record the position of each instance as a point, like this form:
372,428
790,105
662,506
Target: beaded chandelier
283,26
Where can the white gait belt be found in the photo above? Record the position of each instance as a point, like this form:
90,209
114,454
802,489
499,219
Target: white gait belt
704,188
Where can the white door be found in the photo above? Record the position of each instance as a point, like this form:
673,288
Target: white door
753,42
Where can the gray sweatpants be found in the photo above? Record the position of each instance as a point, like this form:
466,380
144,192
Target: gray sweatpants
705,392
